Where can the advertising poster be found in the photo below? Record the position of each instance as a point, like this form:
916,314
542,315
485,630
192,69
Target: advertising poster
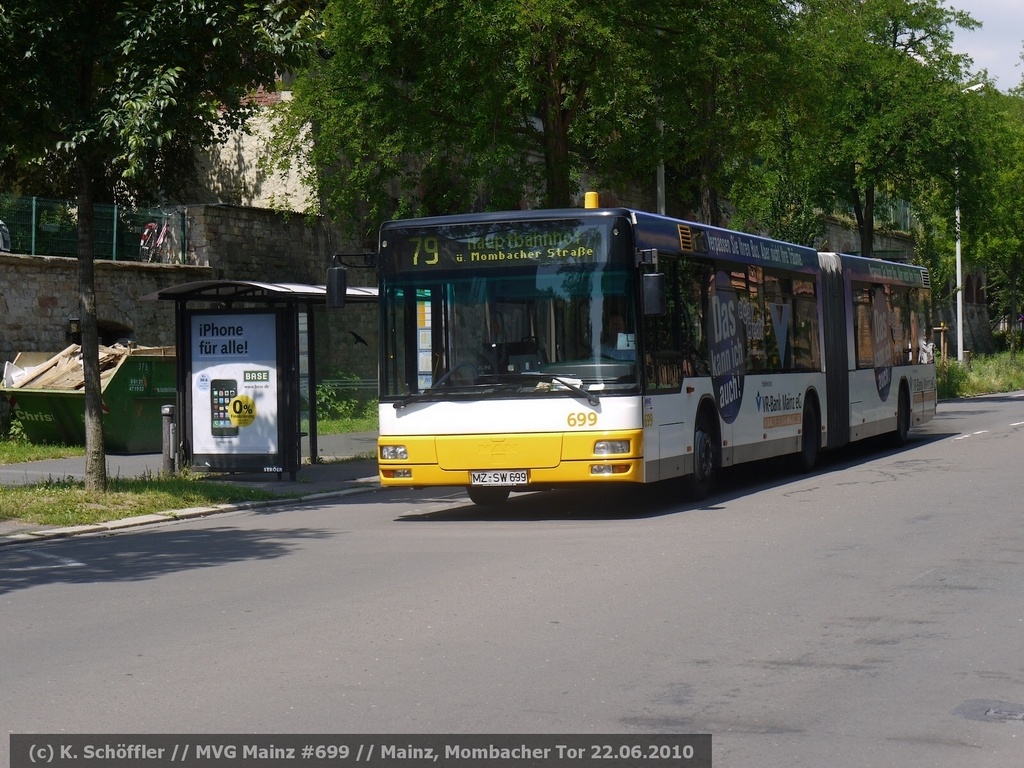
234,383
728,346
882,342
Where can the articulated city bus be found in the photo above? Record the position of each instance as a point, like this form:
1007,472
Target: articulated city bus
537,349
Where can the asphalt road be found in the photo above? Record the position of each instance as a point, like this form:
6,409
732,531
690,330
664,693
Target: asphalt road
869,614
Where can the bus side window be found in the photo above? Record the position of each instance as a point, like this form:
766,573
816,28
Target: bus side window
862,336
695,280
663,360
676,343
902,333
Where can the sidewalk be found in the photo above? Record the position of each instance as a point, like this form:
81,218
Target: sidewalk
349,467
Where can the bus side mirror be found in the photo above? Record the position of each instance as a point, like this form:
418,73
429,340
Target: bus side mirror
337,285
654,294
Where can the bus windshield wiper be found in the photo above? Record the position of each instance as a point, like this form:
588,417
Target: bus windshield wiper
435,388
571,386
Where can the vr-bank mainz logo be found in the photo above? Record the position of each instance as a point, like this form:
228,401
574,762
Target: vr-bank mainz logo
787,401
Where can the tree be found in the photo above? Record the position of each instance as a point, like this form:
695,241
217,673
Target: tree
428,106
722,73
1001,238
432,106
889,85
103,84
774,191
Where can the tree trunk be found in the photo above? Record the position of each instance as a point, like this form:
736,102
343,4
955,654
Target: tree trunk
710,210
1014,321
95,456
556,154
867,232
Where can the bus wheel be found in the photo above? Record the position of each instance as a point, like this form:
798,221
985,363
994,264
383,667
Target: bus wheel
486,496
899,435
705,458
810,443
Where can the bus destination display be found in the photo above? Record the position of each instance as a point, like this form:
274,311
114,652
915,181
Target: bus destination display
454,247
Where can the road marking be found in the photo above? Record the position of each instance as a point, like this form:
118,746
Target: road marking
57,561
979,432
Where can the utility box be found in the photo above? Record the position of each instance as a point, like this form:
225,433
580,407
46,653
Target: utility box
48,399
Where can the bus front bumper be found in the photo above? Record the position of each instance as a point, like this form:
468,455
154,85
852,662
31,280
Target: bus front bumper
546,459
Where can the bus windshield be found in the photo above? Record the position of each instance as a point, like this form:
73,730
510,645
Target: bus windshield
540,326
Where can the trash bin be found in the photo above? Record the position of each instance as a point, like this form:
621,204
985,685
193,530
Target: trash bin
135,383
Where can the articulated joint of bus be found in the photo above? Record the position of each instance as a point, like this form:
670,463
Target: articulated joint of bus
511,459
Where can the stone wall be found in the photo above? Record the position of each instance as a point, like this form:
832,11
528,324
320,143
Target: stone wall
842,237
39,296
260,244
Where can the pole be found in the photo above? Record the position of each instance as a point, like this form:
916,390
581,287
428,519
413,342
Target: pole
661,174
960,356
959,280
170,441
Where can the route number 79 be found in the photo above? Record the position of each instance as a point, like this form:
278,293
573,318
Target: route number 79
426,246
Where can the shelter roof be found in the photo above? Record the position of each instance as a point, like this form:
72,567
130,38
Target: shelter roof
254,291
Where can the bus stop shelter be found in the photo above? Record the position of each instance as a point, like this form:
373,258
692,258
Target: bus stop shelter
246,372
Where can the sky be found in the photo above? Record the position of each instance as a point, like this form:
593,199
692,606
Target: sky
997,45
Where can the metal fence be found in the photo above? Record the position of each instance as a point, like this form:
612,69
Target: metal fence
44,227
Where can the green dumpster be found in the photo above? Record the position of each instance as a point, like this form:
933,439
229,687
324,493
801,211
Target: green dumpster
135,382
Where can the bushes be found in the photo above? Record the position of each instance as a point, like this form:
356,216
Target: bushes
336,399
952,379
345,397
1002,340
986,374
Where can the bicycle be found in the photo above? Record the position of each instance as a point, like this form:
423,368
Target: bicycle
152,244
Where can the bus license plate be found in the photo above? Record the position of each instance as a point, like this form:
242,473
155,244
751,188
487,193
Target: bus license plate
501,477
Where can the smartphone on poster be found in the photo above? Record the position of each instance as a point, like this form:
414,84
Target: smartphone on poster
222,392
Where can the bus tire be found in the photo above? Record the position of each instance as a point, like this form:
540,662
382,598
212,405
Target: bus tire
902,431
487,496
810,439
705,457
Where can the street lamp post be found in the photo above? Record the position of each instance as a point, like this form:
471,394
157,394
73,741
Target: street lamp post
959,278
959,261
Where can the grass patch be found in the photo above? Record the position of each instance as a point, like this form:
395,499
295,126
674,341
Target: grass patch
984,375
20,450
344,425
66,502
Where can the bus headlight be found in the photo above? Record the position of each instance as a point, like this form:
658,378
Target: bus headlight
611,447
393,452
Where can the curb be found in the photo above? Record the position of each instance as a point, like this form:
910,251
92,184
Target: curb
192,513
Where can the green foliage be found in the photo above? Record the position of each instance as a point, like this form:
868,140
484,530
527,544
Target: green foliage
985,374
887,109
776,195
426,107
952,379
1007,340
133,88
342,406
334,400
